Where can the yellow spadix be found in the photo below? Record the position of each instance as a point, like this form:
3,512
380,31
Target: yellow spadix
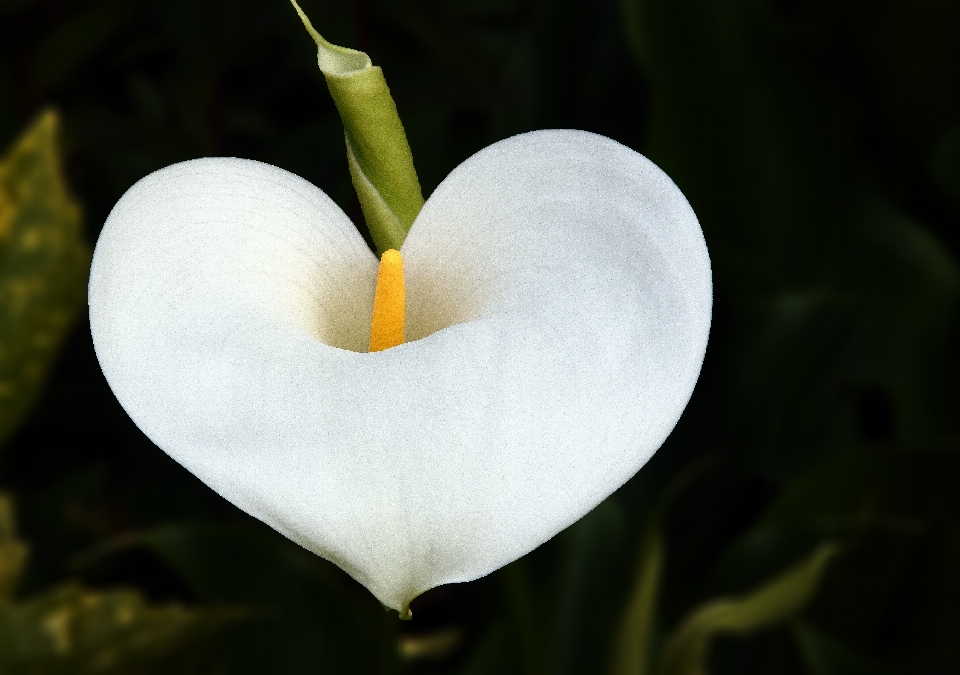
389,303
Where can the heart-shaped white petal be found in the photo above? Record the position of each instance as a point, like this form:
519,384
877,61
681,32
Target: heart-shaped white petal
558,307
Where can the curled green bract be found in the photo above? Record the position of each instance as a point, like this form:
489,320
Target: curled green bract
378,153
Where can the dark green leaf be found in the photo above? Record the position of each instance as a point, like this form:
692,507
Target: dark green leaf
685,652
826,656
308,611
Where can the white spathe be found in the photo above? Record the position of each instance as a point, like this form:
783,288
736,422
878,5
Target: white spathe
558,307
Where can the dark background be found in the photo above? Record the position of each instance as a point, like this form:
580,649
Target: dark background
819,144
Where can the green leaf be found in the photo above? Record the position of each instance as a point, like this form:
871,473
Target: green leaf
378,153
13,552
74,631
776,601
43,267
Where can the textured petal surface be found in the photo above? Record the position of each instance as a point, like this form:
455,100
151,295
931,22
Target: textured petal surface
558,307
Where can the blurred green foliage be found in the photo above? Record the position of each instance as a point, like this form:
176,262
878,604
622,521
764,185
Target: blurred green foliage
686,651
73,631
43,267
819,144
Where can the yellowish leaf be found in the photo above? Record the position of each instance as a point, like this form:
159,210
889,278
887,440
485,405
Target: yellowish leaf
74,630
43,266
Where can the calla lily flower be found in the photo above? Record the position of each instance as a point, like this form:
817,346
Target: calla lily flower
558,300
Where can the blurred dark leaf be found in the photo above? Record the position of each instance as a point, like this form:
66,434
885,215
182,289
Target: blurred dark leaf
525,627
685,652
826,656
583,589
946,165
309,613
893,507
13,552
910,53
633,651
633,647
491,655
65,49
832,290
43,265
74,631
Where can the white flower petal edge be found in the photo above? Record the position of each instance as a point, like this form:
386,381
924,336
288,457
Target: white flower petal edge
558,307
